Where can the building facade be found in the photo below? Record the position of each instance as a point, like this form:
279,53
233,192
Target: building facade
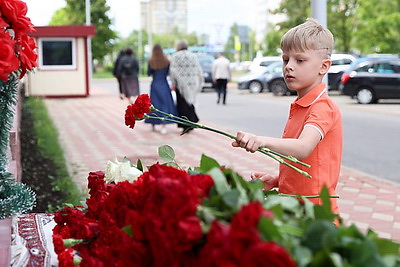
163,16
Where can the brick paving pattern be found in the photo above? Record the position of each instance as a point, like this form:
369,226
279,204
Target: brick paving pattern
92,131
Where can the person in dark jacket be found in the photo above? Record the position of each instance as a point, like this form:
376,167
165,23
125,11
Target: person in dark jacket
117,74
128,67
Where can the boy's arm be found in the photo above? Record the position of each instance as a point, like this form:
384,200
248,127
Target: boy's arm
299,148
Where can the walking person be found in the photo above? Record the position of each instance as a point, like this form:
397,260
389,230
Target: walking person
221,75
160,92
128,67
187,80
118,74
313,132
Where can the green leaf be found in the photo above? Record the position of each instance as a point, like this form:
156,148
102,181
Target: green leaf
324,211
139,165
268,230
231,198
207,163
320,235
221,185
128,230
386,247
166,153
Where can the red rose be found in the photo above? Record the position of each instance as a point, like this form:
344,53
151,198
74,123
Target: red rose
268,254
217,249
14,12
58,243
26,52
8,60
66,258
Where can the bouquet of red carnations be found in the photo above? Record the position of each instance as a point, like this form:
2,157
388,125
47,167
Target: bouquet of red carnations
205,216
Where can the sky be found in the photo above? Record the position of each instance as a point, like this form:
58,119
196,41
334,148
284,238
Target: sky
213,17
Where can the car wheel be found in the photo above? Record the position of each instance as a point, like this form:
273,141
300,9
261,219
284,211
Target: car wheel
279,88
365,96
255,87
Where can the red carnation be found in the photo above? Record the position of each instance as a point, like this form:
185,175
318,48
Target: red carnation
137,110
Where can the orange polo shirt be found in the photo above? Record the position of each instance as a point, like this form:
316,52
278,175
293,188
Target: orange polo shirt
317,110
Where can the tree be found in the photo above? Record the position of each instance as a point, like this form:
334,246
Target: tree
378,26
74,13
341,14
246,49
363,26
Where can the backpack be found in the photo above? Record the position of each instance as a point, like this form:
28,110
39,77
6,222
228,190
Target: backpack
127,67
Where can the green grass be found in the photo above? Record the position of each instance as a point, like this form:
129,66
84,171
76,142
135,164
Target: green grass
102,73
44,168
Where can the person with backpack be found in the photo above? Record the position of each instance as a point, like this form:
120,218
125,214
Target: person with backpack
118,75
128,68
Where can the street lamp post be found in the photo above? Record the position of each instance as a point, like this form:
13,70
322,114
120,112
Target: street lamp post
318,12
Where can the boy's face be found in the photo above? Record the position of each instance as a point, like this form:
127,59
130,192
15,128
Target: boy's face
302,70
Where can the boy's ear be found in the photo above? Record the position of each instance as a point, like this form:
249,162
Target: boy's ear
326,64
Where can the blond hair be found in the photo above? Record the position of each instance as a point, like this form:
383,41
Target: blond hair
309,35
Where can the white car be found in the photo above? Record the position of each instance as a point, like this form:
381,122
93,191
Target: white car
260,62
340,62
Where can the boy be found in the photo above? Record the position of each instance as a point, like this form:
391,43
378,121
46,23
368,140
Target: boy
313,132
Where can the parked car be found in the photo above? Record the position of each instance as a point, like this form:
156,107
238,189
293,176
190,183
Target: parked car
255,80
340,62
206,62
263,62
265,79
371,79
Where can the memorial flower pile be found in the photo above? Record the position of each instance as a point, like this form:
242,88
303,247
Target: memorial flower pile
206,216
17,56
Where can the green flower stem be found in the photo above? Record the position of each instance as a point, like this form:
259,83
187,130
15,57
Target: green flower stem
280,160
274,155
290,158
314,196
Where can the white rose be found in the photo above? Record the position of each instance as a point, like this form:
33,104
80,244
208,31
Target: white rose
117,171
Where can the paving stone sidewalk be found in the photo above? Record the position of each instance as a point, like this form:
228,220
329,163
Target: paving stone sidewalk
92,131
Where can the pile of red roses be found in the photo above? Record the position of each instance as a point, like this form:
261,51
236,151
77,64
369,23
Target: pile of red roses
17,48
153,222
207,216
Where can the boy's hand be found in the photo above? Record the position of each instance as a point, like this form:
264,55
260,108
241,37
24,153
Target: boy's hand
269,181
248,141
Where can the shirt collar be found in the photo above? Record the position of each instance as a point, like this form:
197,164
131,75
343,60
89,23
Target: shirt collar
311,96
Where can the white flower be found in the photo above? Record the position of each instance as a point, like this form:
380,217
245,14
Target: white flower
117,171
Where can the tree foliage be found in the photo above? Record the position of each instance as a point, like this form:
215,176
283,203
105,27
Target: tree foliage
377,26
74,13
359,26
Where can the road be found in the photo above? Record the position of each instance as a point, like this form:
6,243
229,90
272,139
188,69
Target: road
371,132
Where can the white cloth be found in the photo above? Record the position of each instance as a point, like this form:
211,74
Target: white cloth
221,69
32,240
186,74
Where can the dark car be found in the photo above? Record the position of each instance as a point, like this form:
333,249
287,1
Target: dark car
206,62
371,79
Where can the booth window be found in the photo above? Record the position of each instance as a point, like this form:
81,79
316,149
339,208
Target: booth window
57,53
